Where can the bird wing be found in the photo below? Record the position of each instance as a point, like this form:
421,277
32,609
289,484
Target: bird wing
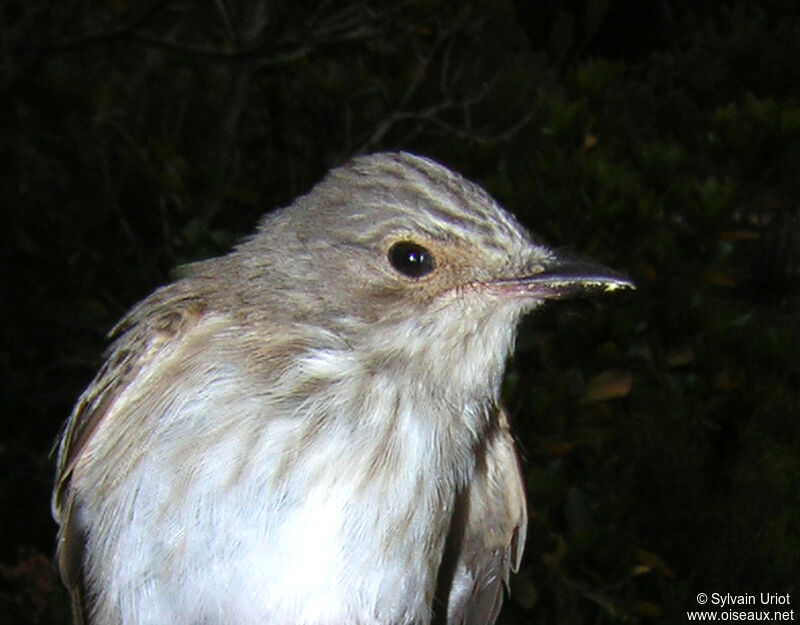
487,535
157,322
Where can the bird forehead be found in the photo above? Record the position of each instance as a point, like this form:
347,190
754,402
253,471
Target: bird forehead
403,194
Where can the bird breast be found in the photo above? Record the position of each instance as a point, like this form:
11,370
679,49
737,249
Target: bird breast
335,484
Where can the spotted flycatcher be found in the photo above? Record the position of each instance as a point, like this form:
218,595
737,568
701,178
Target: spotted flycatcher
308,430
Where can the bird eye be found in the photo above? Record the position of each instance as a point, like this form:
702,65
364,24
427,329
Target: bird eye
411,260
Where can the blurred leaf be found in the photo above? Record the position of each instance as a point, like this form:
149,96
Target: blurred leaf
610,384
647,609
739,235
652,562
680,356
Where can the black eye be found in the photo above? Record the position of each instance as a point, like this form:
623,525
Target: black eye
411,260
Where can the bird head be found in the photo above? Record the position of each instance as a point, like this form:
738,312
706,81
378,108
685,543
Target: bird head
411,263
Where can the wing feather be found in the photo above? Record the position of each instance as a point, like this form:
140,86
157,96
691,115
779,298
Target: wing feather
487,535
158,321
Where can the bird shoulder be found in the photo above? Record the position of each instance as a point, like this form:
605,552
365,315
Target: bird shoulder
159,320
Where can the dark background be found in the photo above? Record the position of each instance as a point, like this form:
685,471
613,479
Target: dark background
659,428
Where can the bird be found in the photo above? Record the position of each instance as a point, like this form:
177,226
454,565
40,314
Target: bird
309,429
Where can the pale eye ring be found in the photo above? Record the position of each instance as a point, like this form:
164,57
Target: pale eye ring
411,259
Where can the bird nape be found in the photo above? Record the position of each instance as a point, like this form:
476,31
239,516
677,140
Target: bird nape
308,429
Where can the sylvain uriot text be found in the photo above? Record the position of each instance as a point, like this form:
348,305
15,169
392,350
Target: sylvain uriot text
764,598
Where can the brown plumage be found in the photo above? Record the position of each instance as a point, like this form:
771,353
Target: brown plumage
308,429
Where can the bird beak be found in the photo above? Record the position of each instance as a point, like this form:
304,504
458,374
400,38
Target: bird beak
563,278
